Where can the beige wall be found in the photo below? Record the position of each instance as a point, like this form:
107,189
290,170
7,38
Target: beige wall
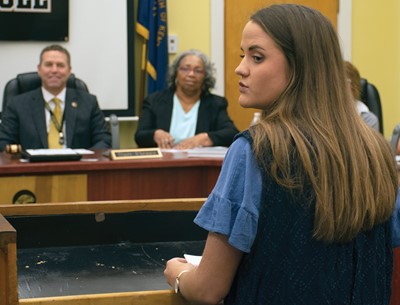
190,21
376,52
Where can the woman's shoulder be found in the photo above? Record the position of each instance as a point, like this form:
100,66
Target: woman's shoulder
241,146
160,95
215,99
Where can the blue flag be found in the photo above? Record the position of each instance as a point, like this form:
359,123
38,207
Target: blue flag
152,26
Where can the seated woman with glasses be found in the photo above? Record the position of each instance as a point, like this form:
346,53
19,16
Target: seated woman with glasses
186,115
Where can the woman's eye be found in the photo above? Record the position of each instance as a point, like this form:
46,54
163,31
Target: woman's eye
241,55
257,59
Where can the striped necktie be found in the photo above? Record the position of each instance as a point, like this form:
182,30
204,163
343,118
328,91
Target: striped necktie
54,133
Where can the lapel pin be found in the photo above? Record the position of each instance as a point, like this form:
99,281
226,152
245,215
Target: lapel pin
74,104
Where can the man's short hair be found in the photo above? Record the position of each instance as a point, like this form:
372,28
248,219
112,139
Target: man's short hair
55,47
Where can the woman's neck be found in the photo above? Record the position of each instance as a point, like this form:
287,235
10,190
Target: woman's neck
188,98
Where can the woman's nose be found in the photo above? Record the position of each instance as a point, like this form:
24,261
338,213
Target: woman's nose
240,69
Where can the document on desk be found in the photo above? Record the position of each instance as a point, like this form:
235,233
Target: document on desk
208,152
198,152
63,154
50,152
58,152
83,151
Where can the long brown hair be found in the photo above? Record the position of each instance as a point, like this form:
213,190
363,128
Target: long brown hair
350,167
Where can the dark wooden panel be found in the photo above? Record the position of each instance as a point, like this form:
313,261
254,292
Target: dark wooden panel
150,183
395,300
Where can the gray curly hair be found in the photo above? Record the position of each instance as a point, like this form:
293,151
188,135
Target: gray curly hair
209,70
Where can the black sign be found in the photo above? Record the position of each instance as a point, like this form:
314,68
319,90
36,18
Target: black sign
39,20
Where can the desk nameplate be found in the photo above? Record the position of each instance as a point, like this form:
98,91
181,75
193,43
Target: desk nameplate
136,153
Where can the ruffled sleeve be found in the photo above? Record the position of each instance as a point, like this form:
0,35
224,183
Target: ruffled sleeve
232,208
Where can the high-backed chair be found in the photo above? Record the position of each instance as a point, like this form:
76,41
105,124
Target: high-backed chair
29,81
25,82
370,96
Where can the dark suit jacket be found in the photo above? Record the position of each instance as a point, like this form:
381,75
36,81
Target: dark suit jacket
24,121
212,118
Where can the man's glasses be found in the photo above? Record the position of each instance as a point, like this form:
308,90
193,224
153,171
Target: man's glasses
187,70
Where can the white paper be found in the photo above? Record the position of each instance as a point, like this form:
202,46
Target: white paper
51,152
177,153
59,152
198,152
193,259
208,152
83,151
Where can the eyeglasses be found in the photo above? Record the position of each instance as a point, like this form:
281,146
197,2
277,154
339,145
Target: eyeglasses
187,70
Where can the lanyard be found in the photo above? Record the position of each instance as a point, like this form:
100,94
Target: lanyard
57,125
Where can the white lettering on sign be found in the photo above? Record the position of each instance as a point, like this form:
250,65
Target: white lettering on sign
25,6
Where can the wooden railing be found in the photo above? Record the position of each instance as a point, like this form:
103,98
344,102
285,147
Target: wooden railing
113,206
8,252
8,263
157,297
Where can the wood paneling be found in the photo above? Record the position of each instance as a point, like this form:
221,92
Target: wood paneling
395,300
92,207
47,188
164,297
237,13
8,264
104,179
152,183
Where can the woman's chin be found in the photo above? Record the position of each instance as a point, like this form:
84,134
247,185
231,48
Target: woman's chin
245,103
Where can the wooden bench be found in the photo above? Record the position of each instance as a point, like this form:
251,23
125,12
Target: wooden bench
99,210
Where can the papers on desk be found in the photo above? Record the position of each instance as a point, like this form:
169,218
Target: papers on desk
63,154
63,151
198,152
83,151
208,152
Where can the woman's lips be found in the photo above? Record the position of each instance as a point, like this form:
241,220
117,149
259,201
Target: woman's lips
242,87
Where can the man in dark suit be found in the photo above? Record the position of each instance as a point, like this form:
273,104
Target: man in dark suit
30,117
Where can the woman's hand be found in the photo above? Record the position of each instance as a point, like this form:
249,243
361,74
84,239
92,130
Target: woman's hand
174,267
163,139
198,140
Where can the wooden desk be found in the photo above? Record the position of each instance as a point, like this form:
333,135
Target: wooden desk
103,179
395,300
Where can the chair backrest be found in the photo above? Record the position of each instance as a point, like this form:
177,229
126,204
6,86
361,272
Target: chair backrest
25,82
394,139
114,129
370,96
